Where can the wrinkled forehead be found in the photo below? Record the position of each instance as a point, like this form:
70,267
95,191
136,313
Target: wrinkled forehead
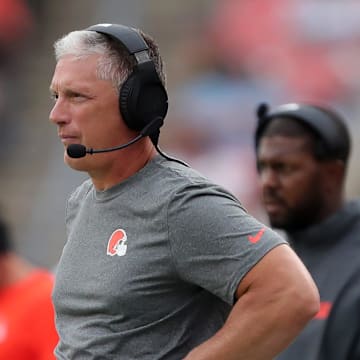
72,68
77,66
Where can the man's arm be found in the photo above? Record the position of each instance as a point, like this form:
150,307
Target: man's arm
275,300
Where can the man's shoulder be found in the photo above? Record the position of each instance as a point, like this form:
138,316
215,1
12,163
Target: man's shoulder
179,186
81,190
177,175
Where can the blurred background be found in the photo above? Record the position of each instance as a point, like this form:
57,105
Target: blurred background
223,58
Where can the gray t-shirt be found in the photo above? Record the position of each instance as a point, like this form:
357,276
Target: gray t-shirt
151,266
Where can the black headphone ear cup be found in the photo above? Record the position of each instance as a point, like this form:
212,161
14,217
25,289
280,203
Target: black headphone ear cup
125,96
141,100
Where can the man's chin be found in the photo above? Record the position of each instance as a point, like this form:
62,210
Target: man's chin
284,224
277,220
75,164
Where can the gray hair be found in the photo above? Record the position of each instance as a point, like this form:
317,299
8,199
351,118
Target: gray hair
115,64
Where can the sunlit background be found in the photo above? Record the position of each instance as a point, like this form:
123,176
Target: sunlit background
223,57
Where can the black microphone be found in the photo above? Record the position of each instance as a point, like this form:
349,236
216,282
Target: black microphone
78,151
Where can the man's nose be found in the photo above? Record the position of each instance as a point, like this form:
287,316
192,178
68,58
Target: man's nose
268,178
59,114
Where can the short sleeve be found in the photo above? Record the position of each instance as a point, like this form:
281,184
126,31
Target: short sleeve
213,240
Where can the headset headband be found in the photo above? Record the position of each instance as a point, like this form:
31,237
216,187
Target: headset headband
128,36
328,126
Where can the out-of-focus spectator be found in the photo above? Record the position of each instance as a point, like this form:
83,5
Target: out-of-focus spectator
27,324
302,156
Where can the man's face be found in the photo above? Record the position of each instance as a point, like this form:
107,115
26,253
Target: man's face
291,182
86,110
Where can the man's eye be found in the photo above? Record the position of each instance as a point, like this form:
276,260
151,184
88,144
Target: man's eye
285,168
260,166
54,97
77,96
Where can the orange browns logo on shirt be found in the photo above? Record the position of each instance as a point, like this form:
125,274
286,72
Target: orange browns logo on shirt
117,244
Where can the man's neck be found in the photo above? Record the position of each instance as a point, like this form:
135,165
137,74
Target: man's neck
130,162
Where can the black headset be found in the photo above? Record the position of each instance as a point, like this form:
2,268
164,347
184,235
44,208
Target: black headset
326,124
142,97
